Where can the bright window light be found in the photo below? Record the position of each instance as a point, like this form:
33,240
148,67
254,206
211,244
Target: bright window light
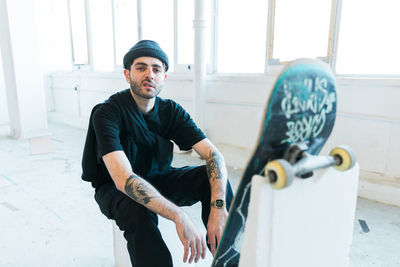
158,25
102,36
369,40
242,31
77,13
185,31
125,22
301,29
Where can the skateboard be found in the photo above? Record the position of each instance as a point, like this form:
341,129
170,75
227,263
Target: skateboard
299,117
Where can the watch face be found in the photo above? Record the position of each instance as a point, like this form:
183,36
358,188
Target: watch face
219,203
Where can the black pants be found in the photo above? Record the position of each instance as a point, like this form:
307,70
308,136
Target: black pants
184,187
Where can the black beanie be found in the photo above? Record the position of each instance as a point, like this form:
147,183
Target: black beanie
145,48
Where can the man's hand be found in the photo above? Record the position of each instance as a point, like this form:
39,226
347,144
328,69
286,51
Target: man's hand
215,227
191,239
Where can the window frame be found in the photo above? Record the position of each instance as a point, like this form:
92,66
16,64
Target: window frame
330,58
88,64
270,68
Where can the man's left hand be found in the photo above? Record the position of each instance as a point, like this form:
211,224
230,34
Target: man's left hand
215,227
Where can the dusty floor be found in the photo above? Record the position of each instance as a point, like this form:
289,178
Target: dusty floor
48,216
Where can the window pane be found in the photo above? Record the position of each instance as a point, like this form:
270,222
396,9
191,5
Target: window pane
77,15
301,29
125,21
102,38
158,25
185,31
369,41
242,31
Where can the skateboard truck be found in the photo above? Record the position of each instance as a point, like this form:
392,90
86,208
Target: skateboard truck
297,162
295,153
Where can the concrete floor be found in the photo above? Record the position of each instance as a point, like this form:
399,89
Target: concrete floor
48,216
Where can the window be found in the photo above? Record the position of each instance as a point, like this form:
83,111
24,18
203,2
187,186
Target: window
158,25
125,27
369,41
78,30
300,29
102,35
185,31
185,45
242,30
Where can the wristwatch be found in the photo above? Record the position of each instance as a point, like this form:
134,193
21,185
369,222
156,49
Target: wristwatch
218,203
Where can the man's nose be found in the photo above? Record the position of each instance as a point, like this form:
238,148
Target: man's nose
150,73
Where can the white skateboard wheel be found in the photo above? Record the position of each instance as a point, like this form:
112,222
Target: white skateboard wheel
279,173
345,156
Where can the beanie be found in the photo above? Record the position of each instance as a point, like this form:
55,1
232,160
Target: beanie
145,48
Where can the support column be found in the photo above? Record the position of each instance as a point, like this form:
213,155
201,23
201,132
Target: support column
200,26
21,66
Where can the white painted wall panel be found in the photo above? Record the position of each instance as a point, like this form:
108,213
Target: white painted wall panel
64,81
66,101
88,99
3,99
239,92
393,157
237,125
376,101
101,83
368,137
178,90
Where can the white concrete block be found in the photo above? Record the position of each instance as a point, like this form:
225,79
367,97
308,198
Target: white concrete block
309,223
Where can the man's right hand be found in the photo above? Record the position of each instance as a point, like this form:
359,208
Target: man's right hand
191,238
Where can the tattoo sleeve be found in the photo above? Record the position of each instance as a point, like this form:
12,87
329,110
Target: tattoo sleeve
215,166
139,190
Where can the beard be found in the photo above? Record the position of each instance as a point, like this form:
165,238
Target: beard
137,89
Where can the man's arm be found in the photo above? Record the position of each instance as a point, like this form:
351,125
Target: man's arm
218,176
145,194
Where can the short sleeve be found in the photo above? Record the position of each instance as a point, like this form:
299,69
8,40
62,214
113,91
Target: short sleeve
106,124
185,132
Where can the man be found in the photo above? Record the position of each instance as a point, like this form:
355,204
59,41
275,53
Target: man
128,155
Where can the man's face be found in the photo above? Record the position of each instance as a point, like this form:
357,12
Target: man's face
146,77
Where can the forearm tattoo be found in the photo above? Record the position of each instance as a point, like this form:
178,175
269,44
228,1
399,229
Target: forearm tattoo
215,165
139,190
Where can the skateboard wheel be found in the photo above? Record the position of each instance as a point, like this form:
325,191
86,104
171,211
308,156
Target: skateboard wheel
344,156
279,173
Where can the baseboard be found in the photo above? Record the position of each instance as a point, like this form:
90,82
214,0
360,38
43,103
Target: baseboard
379,187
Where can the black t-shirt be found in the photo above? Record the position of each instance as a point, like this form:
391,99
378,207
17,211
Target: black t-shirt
146,139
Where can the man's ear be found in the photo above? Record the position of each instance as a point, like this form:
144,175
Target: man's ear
126,74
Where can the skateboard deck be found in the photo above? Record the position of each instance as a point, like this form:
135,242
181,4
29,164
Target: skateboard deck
301,109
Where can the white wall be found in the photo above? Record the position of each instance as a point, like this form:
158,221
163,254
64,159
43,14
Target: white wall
368,117
3,99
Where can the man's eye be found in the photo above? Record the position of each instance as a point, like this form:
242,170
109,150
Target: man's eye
140,68
157,70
